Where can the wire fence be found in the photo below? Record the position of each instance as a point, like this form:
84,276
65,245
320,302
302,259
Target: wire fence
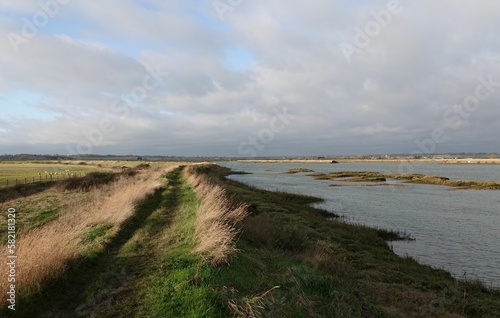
38,179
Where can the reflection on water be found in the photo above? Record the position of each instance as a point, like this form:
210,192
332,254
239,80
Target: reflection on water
454,229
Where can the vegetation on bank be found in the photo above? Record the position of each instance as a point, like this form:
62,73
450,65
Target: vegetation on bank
370,176
55,232
297,170
304,263
200,245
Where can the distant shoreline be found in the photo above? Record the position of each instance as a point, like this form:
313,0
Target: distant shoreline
475,161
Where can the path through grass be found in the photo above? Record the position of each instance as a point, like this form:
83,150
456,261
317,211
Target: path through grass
292,261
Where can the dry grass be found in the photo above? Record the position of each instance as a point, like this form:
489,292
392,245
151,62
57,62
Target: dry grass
297,170
251,307
44,252
369,176
216,219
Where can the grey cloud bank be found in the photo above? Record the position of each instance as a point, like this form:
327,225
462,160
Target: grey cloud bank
425,76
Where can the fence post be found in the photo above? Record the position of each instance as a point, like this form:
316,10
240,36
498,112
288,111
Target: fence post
16,181
7,182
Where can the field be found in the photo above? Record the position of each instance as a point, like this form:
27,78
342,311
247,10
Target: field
29,172
44,170
164,240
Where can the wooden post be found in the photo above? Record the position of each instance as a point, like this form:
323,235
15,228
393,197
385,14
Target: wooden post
7,182
16,181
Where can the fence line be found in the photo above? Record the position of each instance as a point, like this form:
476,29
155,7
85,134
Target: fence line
37,179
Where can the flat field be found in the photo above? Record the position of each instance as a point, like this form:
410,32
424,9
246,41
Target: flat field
29,171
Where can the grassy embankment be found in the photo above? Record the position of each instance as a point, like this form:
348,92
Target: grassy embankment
152,261
327,268
370,176
180,253
58,225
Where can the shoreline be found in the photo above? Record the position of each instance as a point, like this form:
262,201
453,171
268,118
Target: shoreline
465,161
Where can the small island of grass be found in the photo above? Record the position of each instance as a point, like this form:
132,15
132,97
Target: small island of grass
297,170
370,176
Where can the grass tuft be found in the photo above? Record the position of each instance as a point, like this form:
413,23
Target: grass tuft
95,232
216,219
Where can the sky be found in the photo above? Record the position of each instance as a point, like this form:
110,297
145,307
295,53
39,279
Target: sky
249,78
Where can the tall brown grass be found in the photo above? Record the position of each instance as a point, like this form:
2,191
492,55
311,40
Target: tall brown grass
216,218
44,252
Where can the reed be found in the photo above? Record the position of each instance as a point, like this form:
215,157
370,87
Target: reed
216,219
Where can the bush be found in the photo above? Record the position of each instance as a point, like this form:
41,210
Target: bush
91,180
143,166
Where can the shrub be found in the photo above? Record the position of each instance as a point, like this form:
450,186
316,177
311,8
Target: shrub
90,181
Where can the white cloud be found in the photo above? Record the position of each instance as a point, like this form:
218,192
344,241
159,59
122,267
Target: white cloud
394,91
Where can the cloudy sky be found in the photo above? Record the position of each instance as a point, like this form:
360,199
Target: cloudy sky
249,78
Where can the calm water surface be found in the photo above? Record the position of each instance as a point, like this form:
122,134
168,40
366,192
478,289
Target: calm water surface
457,230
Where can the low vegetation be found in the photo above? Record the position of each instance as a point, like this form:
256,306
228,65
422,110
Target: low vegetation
216,218
49,241
297,170
27,172
369,176
297,261
191,243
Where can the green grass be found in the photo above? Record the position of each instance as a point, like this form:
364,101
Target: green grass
327,268
294,261
144,269
95,233
27,171
176,282
36,205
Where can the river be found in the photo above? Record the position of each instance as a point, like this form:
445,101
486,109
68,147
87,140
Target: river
456,230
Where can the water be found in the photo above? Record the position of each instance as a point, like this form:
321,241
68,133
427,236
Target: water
457,230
